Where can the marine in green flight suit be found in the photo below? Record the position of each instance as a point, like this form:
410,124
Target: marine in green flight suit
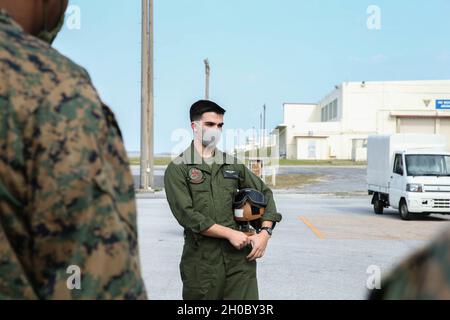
218,262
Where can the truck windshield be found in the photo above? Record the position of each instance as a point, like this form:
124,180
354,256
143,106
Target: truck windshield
428,165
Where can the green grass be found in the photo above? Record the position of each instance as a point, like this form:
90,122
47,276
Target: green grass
291,181
157,189
163,161
266,152
159,161
287,162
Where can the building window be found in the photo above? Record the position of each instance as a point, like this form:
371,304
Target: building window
330,111
325,113
335,110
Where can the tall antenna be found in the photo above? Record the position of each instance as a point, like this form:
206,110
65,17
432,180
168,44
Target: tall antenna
207,73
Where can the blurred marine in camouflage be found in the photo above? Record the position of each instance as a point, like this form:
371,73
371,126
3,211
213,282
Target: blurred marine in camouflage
423,276
66,192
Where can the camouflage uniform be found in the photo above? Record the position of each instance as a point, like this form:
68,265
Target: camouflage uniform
424,276
66,192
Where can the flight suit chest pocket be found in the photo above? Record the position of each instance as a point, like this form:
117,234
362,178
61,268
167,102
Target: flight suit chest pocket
200,194
231,178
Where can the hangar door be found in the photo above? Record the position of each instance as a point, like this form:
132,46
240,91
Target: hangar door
417,125
445,129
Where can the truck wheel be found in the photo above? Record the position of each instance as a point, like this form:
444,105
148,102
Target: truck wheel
378,206
404,212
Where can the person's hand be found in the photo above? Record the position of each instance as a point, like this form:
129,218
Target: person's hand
238,239
259,243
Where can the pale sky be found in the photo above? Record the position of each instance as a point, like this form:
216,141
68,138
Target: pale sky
261,52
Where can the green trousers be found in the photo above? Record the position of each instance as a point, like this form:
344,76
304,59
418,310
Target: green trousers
212,269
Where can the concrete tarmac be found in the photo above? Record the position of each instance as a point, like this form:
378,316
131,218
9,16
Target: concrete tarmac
321,250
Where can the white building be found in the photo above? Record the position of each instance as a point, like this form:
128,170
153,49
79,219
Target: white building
338,126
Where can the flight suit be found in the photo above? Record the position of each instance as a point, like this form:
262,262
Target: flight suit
200,196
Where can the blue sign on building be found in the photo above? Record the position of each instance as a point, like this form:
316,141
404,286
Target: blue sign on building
442,104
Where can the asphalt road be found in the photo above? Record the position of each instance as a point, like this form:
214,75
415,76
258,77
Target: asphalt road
321,250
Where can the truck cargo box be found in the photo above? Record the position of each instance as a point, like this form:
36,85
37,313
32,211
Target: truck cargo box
381,150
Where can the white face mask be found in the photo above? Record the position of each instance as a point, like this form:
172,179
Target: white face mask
210,137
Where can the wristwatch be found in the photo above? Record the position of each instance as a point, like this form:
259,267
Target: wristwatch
269,230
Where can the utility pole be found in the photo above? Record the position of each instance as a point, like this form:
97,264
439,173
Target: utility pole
151,57
260,129
207,73
254,138
146,163
264,127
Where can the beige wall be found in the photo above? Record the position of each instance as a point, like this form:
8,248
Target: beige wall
295,117
362,104
364,110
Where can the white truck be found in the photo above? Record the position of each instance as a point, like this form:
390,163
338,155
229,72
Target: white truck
409,172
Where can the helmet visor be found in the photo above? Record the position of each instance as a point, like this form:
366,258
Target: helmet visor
255,197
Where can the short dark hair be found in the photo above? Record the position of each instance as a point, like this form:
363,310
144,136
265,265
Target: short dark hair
203,106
